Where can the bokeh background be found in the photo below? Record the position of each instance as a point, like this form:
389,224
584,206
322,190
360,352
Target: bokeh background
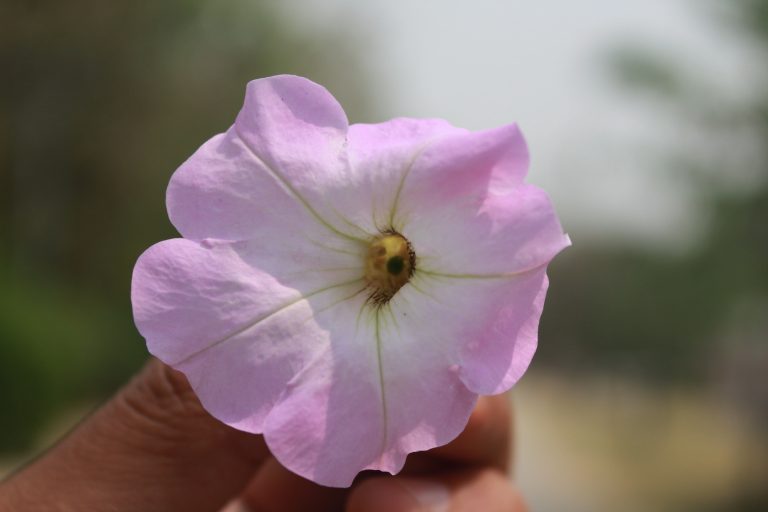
648,124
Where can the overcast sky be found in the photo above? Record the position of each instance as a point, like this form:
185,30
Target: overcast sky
542,64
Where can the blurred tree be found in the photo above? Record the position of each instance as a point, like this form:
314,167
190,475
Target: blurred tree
699,318
667,318
99,103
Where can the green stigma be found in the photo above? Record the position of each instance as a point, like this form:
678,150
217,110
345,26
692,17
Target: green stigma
395,265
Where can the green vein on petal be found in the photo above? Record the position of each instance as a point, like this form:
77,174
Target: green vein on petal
333,249
336,303
501,275
401,184
300,273
262,318
394,319
385,435
295,192
350,223
416,287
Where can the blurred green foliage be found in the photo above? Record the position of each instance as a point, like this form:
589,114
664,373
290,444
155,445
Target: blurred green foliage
99,103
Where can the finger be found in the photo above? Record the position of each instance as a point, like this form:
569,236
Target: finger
275,489
487,438
466,490
151,448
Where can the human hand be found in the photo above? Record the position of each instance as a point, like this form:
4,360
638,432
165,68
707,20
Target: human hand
154,448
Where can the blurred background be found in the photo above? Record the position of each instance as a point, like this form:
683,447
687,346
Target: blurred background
648,125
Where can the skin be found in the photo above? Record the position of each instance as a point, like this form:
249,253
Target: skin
154,448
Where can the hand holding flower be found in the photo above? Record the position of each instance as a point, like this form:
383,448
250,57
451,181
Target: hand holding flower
153,448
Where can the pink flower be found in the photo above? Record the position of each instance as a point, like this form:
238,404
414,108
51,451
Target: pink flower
348,291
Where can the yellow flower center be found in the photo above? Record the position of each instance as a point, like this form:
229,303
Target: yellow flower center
389,264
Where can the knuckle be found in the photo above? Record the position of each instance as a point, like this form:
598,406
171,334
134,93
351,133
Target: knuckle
158,404
162,394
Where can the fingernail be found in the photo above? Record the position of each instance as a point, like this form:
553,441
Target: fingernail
430,494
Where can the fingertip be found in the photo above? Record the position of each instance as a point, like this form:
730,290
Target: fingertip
469,490
487,438
276,488
430,494
486,489
386,494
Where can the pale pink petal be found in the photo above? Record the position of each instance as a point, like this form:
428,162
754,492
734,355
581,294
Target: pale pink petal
328,424
295,126
239,380
381,156
229,316
272,169
504,234
495,359
461,168
222,192
404,378
386,388
465,209
298,130
485,326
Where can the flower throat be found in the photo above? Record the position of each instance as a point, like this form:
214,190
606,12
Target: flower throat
389,264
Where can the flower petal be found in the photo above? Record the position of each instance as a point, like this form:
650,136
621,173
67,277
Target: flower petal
328,424
222,192
274,166
489,325
232,317
295,126
299,131
405,377
387,388
381,156
494,361
460,164
466,211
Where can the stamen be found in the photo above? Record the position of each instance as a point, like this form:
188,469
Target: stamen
389,265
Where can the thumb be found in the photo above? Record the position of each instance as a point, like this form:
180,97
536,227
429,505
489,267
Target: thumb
151,448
